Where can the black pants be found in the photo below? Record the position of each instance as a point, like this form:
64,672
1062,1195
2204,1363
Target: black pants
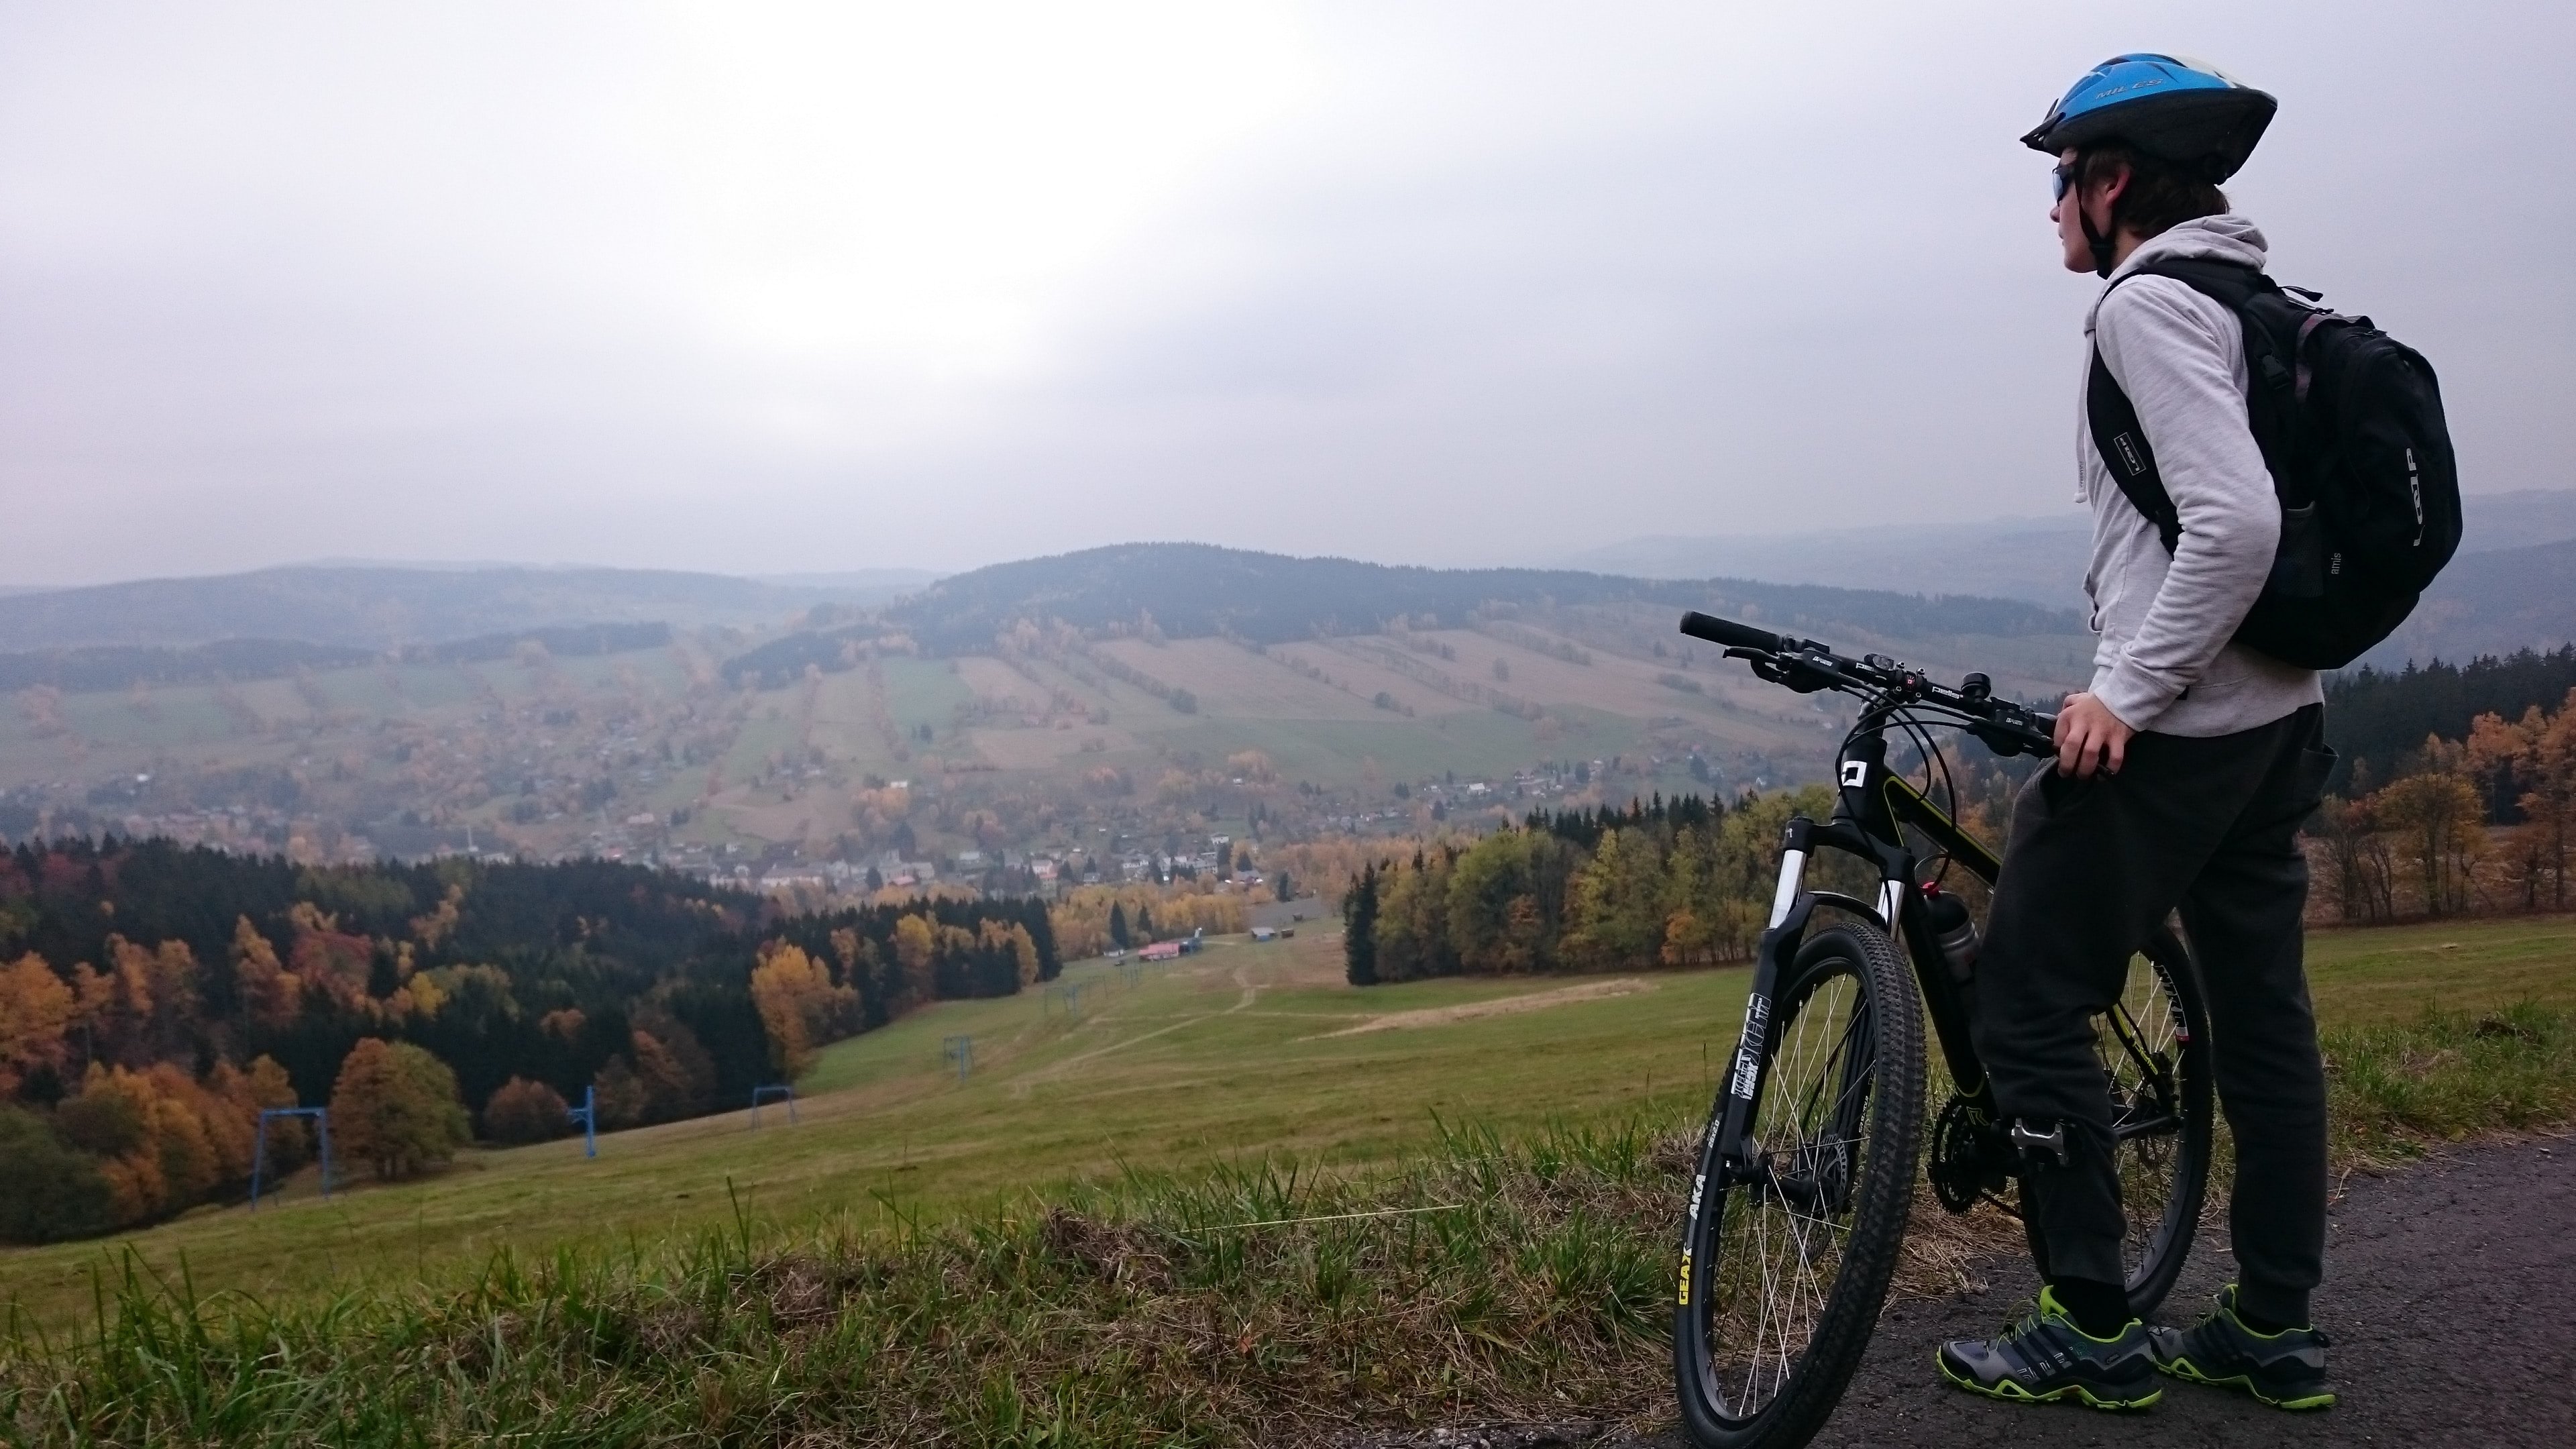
2211,826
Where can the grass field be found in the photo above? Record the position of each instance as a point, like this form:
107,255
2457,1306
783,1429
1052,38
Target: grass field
1239,1052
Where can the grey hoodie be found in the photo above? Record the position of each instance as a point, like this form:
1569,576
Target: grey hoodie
2164,663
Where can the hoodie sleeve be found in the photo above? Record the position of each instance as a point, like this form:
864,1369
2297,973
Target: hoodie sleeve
2175,353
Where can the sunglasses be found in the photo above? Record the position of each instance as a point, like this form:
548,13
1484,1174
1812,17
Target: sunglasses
2061,179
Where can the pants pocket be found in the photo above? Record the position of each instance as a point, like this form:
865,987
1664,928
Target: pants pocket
2066,794
2316,762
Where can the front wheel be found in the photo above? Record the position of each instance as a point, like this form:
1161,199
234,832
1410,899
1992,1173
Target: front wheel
1786,1259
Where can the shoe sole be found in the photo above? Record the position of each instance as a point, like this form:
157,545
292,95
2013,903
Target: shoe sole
2182,1369
2012,1393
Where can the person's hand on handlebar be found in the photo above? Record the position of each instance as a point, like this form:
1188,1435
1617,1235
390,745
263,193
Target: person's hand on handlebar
2090,737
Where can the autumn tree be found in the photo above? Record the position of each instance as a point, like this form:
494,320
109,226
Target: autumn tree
164,1140
916,954
2550,804
2364,873
618,1094
270,994
327,959
1615,913
524,1111
678,1076
266,1085
799,1007
2529,766
2439,813
1507,899
1010,943
1411,937
35,1017
395,1108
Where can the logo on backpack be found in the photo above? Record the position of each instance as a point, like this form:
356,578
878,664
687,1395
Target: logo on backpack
2350,423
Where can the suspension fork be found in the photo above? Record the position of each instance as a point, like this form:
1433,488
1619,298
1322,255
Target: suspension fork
1790,908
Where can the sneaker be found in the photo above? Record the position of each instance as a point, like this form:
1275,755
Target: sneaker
2044,1356
2286,1370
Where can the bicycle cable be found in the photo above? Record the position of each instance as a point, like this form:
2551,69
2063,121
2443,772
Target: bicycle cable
1918,733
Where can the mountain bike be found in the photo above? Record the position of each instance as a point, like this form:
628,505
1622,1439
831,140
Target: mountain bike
1806,1173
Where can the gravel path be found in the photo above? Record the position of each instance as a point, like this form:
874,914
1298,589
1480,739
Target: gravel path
2450,1294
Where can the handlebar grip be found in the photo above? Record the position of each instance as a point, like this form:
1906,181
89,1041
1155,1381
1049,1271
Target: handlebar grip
1731,634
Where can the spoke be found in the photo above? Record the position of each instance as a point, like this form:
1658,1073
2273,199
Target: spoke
1783,1243
2134,1040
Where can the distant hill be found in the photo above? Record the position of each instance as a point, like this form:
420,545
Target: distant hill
2492,602
1193,590
856,585
2041,559
116,666
378,607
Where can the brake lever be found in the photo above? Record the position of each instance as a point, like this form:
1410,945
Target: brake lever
1789,671
2012,738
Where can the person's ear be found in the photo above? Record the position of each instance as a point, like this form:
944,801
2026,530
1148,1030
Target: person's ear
2103,196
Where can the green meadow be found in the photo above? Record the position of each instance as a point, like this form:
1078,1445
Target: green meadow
1240,1054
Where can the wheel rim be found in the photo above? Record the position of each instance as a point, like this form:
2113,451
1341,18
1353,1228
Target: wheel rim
1777,1243
2141,1043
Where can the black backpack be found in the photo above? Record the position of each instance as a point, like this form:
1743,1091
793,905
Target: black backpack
2350,423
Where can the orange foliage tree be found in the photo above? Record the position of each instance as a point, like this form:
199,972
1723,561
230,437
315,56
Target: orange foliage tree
524,1111
395,1108
36,1010
799,1006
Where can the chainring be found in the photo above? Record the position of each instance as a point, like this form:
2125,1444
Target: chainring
1969,1158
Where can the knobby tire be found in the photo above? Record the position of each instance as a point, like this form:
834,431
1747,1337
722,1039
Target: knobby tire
1887,1020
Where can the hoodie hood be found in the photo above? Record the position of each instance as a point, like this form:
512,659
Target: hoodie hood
2225,237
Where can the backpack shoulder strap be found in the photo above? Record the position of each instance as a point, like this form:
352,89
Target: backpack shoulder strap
2113,419
2122,441
2230,282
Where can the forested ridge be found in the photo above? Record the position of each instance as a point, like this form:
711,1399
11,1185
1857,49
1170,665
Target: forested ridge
1189,589
194,987
1679,882
2376,717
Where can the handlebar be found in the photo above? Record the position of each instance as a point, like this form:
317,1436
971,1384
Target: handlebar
1805,665
1732,634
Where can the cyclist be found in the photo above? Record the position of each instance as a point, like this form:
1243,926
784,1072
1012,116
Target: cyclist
2183,773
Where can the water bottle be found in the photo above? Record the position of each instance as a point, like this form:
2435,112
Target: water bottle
1955,930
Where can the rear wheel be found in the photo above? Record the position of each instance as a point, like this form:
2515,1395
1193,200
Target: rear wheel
1785,1262
2154,1048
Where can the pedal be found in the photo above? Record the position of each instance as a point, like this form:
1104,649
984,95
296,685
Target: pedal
2034,1146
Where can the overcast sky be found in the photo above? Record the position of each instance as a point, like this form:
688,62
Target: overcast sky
772,288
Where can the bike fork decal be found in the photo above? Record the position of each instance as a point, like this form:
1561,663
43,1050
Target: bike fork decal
1699,1185
1748,1051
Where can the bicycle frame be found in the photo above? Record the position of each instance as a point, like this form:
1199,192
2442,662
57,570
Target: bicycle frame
1868,821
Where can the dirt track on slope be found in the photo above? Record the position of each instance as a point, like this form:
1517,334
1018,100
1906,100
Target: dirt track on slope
1499,1006
2450,1294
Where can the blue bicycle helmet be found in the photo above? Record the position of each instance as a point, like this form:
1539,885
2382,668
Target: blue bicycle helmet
2177,110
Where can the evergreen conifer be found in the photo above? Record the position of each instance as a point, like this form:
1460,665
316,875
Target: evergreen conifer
1359,929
